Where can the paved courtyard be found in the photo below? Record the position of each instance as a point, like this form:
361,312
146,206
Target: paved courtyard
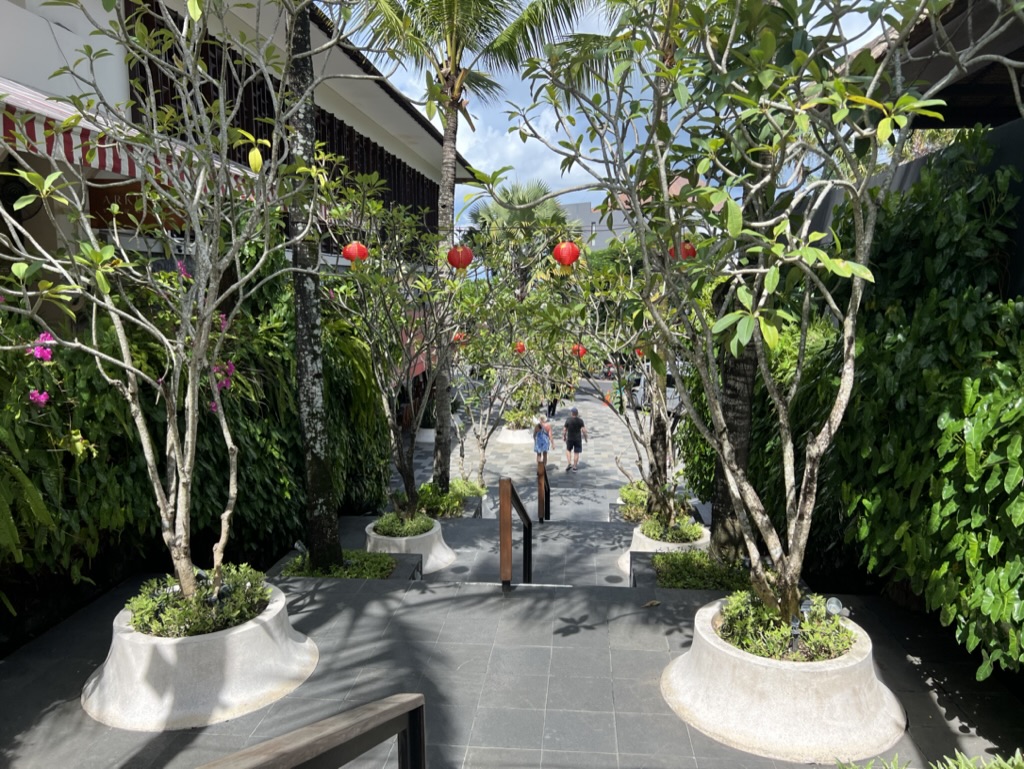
563,673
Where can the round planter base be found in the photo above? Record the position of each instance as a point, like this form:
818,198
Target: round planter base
808,712
644,544
436,553
156,684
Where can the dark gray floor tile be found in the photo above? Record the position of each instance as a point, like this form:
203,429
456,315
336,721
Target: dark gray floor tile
641,664
508,728
519,631
446,756
454,660
639,696
376,683
705,748
652,734
594,694
577,731
580,661
498,758
637,761
562,759
580,631
185,750
501,690
449,725
736,761
468,630
520,660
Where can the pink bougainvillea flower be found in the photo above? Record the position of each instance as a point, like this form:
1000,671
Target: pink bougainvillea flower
213,406
224,383
223,322
42,353
39,398
183,270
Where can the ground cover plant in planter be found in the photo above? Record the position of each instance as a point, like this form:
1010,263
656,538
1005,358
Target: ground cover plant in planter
698,570
957,761
355,564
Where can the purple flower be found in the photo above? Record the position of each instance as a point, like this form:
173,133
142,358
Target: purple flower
223,322
213,406
46,336
224,384
183,270
42,353
39,398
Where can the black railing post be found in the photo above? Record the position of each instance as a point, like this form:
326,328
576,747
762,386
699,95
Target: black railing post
412,741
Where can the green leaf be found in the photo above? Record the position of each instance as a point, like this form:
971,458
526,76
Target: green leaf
861,271
769,333
771,280
101,282
195,10
726,322
884,129
733,218
745,329
1013,478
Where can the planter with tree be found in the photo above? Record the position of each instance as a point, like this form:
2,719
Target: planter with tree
741,120
156,318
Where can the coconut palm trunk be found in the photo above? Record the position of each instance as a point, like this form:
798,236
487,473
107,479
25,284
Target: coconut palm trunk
321,520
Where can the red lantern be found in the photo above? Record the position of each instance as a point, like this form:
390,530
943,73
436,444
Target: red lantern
459,338
355,251
578,350
565,254
639,352
688,250
520,347
459,258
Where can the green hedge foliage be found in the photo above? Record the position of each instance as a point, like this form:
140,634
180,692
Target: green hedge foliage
73,481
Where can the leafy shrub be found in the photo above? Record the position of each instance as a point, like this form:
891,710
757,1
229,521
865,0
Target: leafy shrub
438,505
959,761
752,627
932,468
160,609
393,525
685,530
519,419
355,564
697,570
634,501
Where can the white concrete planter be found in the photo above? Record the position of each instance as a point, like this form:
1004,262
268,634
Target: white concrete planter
436,553
522,437
426,435
644,544
156,684
808,712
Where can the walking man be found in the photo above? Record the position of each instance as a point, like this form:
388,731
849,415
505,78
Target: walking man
574,432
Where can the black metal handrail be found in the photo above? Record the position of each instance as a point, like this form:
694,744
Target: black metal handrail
335,741
508,499
543,494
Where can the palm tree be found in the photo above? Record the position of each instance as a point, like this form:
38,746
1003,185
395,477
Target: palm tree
459,43
523,233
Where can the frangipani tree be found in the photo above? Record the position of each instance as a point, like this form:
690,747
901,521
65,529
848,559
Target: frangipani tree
459,44
745,122
162,263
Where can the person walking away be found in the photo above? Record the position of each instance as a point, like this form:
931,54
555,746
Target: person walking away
541,438
574,432
552,402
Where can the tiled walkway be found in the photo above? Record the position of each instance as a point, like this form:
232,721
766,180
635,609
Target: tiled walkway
542,677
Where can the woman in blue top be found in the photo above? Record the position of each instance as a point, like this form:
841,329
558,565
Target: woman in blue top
541,438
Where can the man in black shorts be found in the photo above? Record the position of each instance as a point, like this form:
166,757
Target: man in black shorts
574,432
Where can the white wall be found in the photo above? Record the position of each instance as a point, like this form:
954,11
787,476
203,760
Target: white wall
37,40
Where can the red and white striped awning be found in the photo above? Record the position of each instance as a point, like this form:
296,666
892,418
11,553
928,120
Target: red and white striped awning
32,122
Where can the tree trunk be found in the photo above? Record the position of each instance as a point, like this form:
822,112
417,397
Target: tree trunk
443,383
659,501
321,519
738,376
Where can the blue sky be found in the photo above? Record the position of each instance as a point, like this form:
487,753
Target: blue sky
490,146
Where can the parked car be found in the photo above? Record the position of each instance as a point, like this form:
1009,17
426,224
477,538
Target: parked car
640,392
